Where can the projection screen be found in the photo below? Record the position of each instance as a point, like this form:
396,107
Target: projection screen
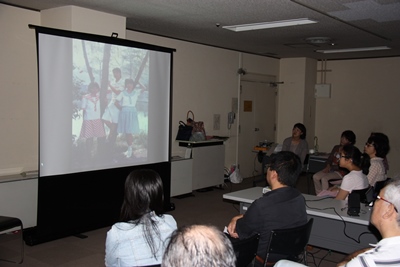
104,102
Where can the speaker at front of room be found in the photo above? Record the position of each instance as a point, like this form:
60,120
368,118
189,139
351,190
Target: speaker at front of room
353,204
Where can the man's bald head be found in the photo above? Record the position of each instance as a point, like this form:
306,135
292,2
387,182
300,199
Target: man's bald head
199,246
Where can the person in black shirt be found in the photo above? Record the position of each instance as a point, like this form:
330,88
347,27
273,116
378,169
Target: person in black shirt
283,207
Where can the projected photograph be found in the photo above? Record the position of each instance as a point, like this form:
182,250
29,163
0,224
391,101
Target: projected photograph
104,103
110,98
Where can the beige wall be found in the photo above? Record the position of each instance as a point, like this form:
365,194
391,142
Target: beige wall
309,99
364,92
296,101
18,90
18,75
364,98
80,19
205,80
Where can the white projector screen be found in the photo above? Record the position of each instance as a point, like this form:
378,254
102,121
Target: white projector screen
104,103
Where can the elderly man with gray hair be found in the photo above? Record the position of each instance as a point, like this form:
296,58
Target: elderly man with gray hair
386,218
199,246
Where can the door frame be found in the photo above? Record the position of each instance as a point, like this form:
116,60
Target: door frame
257,78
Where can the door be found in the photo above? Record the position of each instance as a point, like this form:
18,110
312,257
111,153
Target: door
256,123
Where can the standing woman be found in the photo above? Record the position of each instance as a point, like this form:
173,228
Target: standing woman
377,147
142,235
297,143
332,171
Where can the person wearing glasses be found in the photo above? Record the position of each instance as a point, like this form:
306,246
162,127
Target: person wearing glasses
281,208
377,147
357,165
386,218
332,171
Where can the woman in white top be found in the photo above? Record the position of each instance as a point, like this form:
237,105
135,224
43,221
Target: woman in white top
111,112
357,165
128,122
377,147
352,159
143,233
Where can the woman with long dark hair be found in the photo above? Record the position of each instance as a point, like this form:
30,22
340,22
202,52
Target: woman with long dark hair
142,235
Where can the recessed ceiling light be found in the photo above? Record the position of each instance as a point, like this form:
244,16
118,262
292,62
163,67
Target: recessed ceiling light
268,25
360,49
319,40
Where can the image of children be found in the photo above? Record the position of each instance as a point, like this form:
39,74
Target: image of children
128,123
111,113
92,126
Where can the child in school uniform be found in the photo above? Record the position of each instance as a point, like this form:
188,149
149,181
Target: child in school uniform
92,126
128,122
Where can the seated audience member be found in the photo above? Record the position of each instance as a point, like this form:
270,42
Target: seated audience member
385,161
377,147
141,236
385,217
199,246
297,142
357,165
332,171
283,207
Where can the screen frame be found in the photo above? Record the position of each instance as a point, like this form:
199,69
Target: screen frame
49,156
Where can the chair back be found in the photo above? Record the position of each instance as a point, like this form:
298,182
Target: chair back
290,243
379,185
246,250
362,194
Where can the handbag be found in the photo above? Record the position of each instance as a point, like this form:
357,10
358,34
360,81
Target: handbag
198,131
184,131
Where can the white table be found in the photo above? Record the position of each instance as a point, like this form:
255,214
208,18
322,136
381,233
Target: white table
332,228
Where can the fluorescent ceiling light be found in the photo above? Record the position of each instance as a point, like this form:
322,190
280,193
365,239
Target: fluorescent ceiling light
268,25
353,49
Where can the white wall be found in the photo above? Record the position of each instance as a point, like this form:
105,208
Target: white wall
364,98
